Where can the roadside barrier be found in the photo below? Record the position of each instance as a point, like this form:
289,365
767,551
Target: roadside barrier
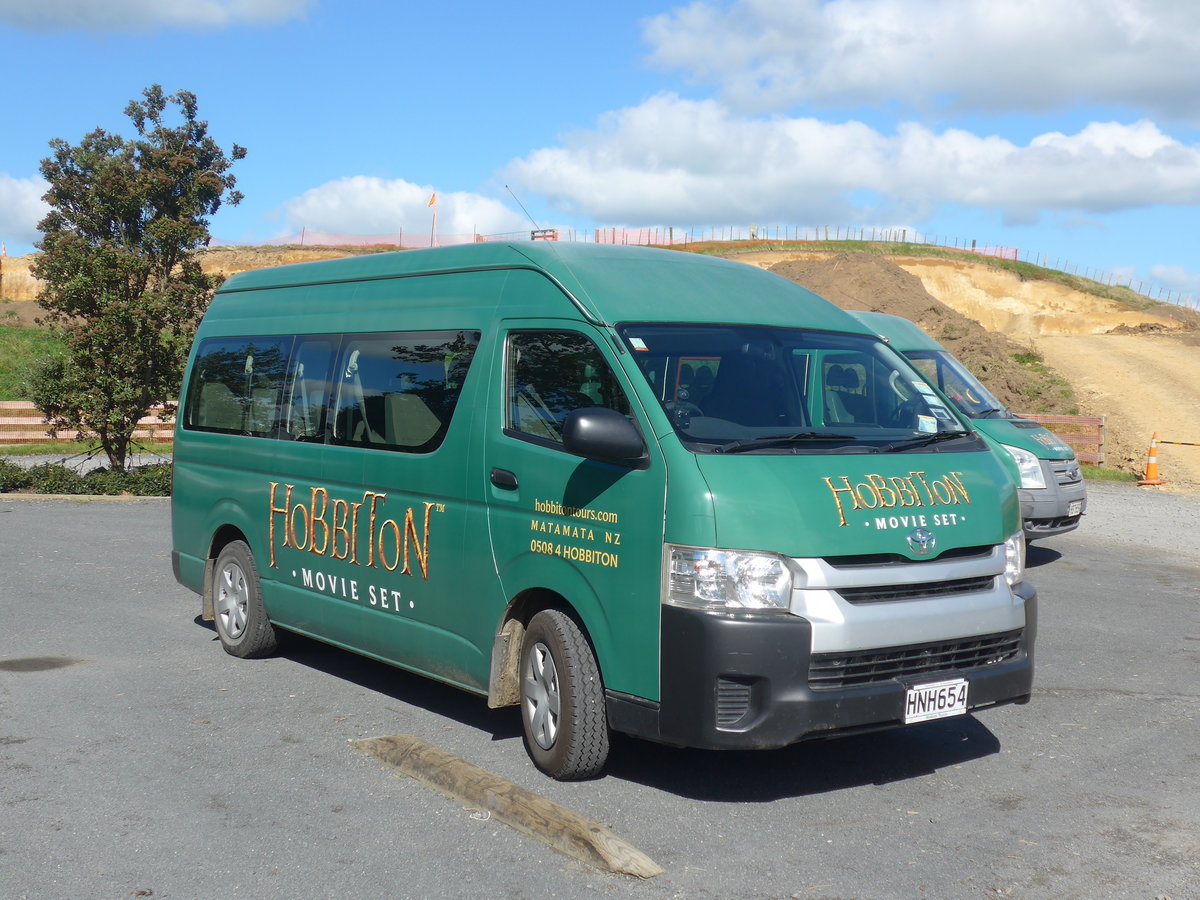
1151,476
22,423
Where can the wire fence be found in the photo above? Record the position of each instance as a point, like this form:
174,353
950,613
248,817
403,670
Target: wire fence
671,236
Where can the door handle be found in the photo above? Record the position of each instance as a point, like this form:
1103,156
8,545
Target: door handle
502,478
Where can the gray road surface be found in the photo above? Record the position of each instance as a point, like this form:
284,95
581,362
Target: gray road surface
146,759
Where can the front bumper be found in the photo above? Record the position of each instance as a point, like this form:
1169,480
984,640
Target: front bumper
1046,512
741,681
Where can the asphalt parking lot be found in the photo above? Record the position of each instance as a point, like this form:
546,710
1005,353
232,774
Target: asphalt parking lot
137,756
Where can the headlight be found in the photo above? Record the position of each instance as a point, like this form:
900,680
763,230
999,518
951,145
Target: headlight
1014,558
1029,466
706,578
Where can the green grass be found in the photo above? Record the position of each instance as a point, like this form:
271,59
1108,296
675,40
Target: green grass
1100,473
20,348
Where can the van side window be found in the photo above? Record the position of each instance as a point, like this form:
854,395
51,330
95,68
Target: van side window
308,387
398,391
237,385
550,373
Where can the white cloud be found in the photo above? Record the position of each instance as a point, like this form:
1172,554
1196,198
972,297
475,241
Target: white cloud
146,15
1177,279
693,162
21,208
676,161
364,205
1031,55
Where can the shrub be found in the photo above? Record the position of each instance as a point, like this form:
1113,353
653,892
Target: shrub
49,478
149,481
12,477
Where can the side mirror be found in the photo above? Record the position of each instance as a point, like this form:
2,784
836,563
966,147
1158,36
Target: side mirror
596,432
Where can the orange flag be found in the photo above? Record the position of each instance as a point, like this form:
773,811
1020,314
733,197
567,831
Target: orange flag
432,199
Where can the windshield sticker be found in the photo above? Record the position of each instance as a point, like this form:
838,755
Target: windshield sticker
927,424
917,489
923,388
639,345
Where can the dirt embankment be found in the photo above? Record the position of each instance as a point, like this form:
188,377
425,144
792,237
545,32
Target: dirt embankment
16,283
1138,368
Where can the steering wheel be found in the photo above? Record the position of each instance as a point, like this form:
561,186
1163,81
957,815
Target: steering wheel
904,415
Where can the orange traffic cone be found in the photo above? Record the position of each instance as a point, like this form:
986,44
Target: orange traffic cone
1152,463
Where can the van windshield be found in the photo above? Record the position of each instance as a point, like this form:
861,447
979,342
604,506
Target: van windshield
764,389
956,382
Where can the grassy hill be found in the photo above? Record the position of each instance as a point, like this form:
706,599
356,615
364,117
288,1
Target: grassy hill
20,348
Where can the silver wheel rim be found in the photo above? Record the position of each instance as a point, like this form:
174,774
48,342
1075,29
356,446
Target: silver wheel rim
542,699
231,600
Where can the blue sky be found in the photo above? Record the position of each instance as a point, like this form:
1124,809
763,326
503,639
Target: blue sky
1059,127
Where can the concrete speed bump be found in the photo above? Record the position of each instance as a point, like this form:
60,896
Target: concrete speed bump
564,830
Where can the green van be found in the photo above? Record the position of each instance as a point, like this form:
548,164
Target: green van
624,489
1052,491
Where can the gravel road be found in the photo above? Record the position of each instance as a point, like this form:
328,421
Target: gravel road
1150,518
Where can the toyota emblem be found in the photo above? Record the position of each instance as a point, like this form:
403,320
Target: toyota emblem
921,541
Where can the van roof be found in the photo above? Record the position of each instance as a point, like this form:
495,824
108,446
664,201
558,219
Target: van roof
900,333
611,283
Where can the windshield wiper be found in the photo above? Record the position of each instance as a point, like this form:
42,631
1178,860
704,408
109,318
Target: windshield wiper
923,440
781,440
984,413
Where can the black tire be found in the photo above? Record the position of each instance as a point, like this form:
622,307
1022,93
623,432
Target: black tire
238,611
562,699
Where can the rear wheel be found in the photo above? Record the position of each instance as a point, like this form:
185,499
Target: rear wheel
562,699
238,612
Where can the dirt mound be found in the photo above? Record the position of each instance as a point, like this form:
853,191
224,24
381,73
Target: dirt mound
1142,328
863,281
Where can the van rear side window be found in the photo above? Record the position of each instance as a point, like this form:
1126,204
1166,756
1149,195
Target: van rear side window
391,391
238,385
398,391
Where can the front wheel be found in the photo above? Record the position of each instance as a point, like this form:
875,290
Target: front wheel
562,699
238,611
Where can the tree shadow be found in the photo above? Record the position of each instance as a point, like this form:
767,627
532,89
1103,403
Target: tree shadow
401,685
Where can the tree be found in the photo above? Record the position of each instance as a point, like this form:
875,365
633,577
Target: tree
123,286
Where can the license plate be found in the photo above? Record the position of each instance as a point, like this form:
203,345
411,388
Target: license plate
935,701
1075,507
